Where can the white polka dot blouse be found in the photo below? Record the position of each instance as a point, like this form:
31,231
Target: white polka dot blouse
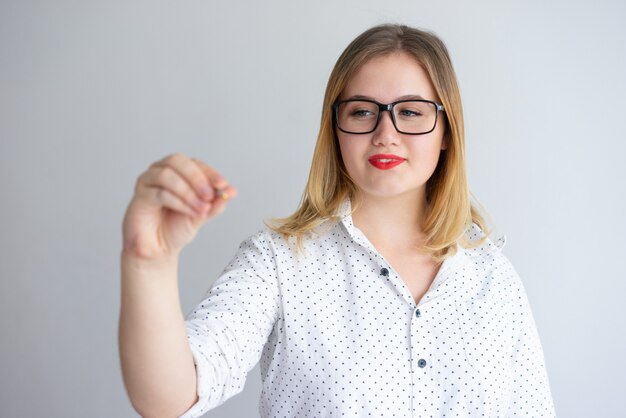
338,333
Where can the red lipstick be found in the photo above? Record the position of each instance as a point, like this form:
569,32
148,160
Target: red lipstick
385,161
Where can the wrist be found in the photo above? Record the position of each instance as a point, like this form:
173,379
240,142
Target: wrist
134,262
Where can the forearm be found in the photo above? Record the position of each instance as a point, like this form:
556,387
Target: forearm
157,363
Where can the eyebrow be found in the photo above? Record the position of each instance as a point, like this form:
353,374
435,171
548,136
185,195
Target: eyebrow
405,97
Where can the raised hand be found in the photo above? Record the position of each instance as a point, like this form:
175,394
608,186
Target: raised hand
172,200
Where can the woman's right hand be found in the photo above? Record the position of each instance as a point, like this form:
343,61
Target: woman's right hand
172,200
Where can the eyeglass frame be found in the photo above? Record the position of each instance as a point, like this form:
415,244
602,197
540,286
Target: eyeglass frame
385,107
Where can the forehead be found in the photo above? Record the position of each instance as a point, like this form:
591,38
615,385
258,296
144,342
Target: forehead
388,77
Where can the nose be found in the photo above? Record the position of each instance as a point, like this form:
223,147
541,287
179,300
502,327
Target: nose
385,133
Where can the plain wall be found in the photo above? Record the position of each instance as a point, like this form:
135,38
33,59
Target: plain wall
93,92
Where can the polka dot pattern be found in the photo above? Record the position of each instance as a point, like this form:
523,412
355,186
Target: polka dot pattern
338,333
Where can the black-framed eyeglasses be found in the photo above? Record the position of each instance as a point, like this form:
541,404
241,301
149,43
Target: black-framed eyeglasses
361,116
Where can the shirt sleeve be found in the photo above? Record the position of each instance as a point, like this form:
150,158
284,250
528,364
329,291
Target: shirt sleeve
531,395
228,329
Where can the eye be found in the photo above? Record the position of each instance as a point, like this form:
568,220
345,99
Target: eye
361,113
409,113
357,110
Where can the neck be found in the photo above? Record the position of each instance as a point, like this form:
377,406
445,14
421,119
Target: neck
392,222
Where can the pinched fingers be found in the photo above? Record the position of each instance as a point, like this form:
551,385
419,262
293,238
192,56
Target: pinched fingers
191,172
222,191
171,201
184,184
162,185
176,177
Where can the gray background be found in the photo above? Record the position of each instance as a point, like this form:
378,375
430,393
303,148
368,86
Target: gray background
92,92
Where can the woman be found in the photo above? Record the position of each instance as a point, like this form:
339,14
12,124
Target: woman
381,295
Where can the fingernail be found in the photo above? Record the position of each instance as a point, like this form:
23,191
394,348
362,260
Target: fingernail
222,194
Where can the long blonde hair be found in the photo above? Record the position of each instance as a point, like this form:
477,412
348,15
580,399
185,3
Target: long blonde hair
450,213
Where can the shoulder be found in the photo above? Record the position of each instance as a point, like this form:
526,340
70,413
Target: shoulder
494,273
269,241
263,242
490,246
328,232
269,252
256,251
488,252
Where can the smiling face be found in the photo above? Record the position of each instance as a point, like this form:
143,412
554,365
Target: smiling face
386,163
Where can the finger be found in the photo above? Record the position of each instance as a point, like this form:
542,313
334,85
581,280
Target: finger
191,172
165,177
216,180
226,193
166,199
219,204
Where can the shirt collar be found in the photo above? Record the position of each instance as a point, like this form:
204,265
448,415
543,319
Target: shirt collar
489,246
344,212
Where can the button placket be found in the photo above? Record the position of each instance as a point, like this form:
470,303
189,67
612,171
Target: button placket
421,362
421,353
420,337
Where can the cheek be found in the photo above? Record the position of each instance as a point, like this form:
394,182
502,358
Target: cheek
349,152
433,142
425,156
426,150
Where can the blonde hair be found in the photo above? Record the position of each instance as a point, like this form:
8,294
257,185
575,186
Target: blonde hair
450,213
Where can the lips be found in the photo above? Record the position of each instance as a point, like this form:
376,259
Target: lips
385,161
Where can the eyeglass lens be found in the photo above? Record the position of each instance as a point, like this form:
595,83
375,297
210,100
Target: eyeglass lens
410,117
